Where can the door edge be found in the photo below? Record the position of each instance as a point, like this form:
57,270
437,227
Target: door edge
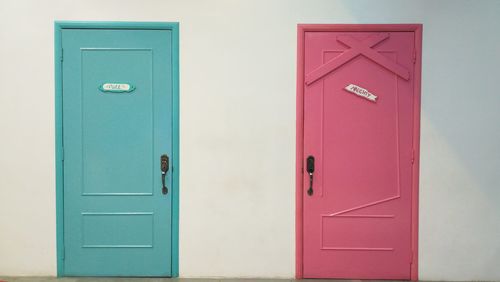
59,153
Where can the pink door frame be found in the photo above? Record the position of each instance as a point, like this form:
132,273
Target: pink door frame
301,30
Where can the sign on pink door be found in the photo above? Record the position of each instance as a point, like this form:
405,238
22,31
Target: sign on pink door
359,91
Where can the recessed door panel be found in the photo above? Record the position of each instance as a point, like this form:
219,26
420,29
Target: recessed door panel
113,130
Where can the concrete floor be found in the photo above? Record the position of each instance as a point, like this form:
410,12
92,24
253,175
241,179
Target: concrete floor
116,279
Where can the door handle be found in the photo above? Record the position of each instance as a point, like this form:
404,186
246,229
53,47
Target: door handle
310,171
164,168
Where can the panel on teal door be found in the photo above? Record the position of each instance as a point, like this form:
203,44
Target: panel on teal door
117,122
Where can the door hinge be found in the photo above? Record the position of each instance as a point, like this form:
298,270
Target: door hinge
411,257
62,54
62,154
412,156
414,55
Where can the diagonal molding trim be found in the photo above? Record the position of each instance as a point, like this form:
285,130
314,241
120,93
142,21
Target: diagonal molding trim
357,48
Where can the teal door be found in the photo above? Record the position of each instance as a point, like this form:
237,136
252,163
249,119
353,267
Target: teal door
117,91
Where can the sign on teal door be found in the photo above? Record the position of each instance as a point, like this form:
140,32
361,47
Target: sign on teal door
117,103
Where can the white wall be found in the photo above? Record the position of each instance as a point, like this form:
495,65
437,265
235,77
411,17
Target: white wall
237,130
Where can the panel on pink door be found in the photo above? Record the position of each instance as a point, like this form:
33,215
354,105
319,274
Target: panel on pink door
357,221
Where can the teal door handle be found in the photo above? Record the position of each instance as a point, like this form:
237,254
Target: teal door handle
164,169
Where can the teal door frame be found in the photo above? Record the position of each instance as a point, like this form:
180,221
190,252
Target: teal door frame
58,55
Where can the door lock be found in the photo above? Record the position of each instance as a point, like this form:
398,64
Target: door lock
164,169
310,171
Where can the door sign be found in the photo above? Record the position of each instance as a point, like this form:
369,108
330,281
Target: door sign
116,87
361,92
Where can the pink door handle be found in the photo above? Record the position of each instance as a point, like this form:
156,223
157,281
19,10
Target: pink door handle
310,171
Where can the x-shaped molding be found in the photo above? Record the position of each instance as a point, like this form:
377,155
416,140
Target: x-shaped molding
358,48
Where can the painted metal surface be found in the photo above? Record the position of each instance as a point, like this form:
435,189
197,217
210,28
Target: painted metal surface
359,222
112,217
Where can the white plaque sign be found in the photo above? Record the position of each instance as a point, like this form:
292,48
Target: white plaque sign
360,91
116,87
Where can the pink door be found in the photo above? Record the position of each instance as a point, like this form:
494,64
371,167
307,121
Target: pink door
358,153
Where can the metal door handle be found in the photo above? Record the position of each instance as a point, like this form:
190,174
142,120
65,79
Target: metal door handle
310,171
164,168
